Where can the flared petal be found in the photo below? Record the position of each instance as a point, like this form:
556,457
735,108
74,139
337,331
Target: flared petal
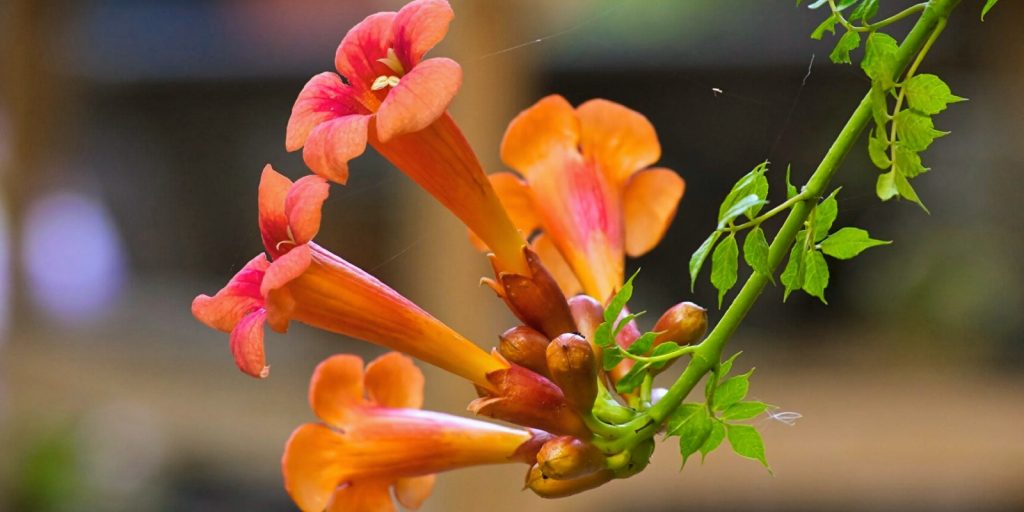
419,99
393,380
418,27
238,298
286,268
302,206
323,98
621,140
247,344
313,465
547,130
273,221
336,390
517,199
412,492
556,265
649,204
362,496
332,144
356,58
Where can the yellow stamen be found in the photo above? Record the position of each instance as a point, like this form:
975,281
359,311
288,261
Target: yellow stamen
392,62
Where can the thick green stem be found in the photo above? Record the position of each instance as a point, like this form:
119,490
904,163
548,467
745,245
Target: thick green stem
709,352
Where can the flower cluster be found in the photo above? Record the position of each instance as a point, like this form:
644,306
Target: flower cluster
583,199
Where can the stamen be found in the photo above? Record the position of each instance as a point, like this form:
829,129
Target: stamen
392,62
384,81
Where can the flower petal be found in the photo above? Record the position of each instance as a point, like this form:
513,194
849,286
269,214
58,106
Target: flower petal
247,344
238,298
313,465
419,99
337,388
302,206
649,204
323,98
412,492
356,58
392,380
556,265
545,131
274,189
517,199
363,496
418,27
286,267
620,140
332,144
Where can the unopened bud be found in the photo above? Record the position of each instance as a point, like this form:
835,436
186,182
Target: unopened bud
588,313
547,487
565,458
685,323
526,347
536,299
526,398
570,360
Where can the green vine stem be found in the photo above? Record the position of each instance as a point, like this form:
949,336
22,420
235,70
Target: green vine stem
706,355
869,27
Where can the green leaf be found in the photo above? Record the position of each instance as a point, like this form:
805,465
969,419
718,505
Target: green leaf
989,4
744,410
842,5
643,344
865,11
714,439
753,182
614,309
841,53
744,205
611,357
886,186
731,391
726,366
879,61
724,265
907,192
907,162
603,335
815,275
814,5
879,107
829,25
791,191
849,242
623,322
693,428
746,442
824,215
701,254
928,94
915,131
755,252
632,379
878,150
662,349
793,275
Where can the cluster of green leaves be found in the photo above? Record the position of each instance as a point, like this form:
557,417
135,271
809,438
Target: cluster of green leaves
701,427
746,198
642,347
807,268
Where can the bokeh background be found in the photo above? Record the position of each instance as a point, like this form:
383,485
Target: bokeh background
132,134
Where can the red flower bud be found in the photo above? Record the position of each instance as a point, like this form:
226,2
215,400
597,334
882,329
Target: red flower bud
685,323
526,347
566,458
547,487
570,360
535,299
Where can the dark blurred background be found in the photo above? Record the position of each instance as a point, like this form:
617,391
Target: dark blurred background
132,134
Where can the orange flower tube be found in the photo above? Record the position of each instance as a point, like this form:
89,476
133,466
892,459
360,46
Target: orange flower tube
366,446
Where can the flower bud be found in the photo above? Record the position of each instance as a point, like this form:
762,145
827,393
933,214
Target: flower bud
565,458
685,323
547,487
535,299
588,313
570,359
526,347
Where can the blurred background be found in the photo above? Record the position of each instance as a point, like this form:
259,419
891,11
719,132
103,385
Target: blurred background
133,132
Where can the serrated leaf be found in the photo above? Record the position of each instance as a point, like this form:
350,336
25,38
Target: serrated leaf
662,349
612,356
744,410
880,63
623,322
815,275
849,242
726,366
793,275
693,431
724,266
755,252
746,203
760,189
701,254
878,150
829,25
865,11
732,390
614,309
841,53
682,414
928,94
885,188
632,379
643,344
989,4
915,131
907,192
824,215
603,335
791,191
907,163
714,439
750,183
879,107
842,5
746,442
